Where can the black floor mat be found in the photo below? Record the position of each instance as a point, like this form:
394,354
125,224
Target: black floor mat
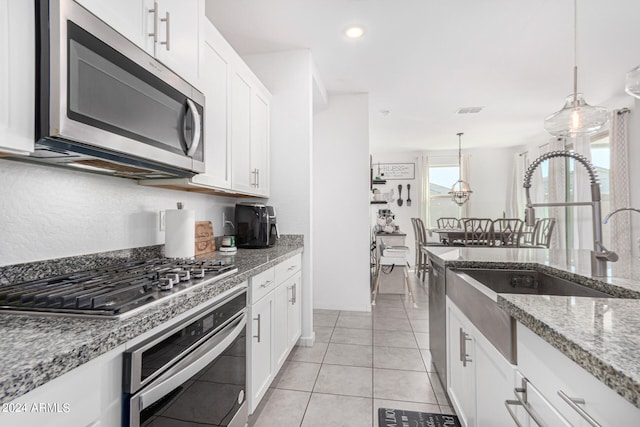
400,418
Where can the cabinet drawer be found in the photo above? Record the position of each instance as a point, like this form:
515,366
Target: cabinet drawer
554,374
262,284
288,268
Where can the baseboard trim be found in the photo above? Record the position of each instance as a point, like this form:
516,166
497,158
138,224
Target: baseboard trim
307,341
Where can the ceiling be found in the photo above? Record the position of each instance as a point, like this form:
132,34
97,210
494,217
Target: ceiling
422,60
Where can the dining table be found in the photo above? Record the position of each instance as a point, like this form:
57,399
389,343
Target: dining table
450,235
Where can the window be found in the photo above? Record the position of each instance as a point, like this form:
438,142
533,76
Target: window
441,178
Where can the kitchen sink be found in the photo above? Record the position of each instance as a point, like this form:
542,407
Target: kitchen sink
475,293
530,282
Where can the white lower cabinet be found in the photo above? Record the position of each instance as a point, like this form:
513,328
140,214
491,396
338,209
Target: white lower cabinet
274,310
260,336
90,395
553,374
479,378
294,309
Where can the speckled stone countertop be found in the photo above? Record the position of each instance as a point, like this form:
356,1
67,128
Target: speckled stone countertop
36,349
606,345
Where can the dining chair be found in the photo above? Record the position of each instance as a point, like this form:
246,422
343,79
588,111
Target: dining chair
446,222
507,231
526,236
542,232
478,231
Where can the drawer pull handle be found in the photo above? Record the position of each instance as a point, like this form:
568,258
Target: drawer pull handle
293,267
574,402
521,400
267,283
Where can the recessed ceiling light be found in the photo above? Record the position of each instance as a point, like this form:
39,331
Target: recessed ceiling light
354,32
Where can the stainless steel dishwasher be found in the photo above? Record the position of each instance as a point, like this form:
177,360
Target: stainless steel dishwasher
437,318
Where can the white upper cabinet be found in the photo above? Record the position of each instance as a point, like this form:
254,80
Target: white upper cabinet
17,76
250,117
214,82
177,35
128,17
241,133
260,142
167,29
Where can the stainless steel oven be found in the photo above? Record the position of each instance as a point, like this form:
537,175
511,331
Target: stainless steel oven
193,373
106,105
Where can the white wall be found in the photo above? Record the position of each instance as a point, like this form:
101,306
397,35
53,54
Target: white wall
288,76
341,204
48,212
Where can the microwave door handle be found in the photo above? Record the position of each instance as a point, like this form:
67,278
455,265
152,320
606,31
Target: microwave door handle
190,365
195,140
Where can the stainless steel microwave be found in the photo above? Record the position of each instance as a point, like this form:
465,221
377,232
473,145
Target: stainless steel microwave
106,105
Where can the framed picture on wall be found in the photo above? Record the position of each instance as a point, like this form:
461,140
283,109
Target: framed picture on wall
397,170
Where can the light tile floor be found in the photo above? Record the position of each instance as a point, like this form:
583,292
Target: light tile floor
359,363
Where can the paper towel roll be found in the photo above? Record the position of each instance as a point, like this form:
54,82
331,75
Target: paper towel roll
180,233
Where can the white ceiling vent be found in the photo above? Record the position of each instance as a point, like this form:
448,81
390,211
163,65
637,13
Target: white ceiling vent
469,110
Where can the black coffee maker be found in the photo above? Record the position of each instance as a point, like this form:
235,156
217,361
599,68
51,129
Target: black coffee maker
256,226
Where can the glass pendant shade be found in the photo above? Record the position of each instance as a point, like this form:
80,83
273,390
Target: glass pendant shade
633,82
460,192
577,118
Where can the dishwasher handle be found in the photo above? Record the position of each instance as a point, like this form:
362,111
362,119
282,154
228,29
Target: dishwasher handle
185,368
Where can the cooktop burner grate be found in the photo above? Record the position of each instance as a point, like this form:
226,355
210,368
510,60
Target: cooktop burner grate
112,291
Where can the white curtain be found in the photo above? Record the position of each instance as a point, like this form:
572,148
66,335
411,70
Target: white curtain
424,194
620,223
557,193
583,222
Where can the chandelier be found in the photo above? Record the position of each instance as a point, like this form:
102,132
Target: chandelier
460,191
576,118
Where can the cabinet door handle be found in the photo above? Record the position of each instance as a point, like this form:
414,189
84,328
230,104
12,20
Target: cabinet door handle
155,22
295,293
464,357
167,20
258,178
574,402
258,336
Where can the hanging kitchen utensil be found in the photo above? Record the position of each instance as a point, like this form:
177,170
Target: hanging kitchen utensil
399,194
408,194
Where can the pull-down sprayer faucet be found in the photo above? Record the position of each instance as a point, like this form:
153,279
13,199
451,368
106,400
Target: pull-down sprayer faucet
599,255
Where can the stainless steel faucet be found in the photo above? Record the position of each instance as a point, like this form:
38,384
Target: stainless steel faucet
606,219
599,255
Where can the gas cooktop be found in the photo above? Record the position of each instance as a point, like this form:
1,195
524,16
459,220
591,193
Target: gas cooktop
115,291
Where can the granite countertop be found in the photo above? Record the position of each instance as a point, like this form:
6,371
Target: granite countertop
599,334
36,349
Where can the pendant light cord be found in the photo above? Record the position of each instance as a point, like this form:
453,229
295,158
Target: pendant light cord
575,52
460,156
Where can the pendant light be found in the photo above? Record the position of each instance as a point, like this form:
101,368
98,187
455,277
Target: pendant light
577,118
460,191
633,82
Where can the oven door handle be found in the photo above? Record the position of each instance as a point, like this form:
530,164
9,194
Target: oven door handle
188,367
